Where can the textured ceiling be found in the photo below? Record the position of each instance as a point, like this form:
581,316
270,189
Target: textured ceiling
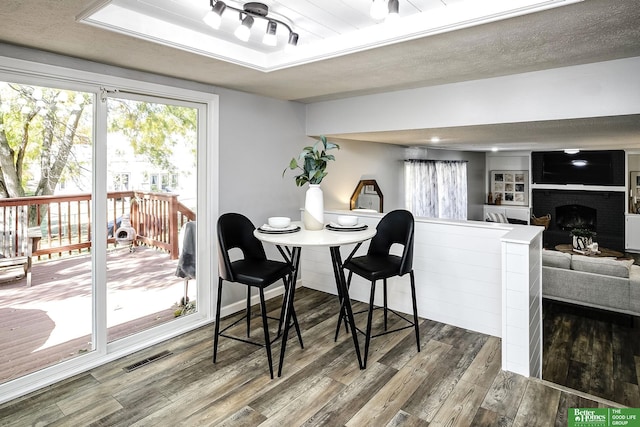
326,28
590,31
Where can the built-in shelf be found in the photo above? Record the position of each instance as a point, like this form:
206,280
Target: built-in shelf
522,213
632,233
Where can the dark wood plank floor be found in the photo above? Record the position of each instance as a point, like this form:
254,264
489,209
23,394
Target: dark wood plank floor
455,380
594,351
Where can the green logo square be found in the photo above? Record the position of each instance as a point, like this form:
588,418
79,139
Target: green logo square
588,417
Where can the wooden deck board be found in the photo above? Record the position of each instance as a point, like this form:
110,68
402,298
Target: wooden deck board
50,321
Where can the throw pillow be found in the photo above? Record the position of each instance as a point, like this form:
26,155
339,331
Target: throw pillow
497,217
605,266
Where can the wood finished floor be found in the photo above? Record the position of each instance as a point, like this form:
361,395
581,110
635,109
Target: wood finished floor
455,381
594,351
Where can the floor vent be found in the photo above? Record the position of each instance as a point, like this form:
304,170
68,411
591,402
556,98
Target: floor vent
146,361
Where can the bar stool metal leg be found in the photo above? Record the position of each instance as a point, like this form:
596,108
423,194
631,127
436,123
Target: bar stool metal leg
217,327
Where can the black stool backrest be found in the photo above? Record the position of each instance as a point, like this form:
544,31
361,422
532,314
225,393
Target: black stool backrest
236,231
395,227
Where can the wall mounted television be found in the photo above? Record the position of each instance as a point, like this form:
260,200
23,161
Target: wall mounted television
585,167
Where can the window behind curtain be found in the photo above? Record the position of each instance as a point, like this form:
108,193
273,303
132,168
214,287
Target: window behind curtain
436,189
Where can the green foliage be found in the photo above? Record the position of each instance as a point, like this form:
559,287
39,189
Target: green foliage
153,129
312,161
38,126
582,232
51,130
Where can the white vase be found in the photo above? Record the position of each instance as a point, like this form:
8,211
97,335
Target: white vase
313,217
581,243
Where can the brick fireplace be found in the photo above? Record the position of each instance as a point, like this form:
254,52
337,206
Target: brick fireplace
600,211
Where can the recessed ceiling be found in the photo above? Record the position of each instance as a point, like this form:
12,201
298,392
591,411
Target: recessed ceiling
326,28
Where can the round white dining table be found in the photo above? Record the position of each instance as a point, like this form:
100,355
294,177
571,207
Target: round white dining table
294,242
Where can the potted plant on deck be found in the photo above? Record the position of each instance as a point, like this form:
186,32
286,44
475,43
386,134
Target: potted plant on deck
582,238
313,161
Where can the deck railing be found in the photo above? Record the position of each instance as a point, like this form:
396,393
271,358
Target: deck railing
65,220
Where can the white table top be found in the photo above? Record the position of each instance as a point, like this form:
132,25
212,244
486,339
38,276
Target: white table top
316,238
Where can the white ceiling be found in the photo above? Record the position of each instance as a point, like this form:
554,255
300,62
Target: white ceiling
579,33
326,28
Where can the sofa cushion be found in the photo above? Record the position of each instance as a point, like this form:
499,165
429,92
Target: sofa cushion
605,266
556,259
634,288
590,289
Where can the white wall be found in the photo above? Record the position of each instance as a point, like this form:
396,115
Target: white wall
457,267
385,163
507,161
593,90
364,160
633,162
258,138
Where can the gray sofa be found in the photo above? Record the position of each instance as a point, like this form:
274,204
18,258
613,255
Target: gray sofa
604,283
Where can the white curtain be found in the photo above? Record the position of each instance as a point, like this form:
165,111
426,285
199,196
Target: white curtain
436,189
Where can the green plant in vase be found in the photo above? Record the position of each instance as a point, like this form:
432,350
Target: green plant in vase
582,238
313,161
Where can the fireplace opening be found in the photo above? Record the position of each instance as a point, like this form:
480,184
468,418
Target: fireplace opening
573,216
599,211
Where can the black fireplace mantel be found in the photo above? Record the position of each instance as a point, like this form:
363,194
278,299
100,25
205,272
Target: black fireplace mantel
608,223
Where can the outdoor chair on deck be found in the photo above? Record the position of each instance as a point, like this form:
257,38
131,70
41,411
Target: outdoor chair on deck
235,231
396,227
17,239
186,268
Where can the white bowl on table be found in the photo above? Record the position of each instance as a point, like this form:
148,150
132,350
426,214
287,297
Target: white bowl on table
279,221
347,220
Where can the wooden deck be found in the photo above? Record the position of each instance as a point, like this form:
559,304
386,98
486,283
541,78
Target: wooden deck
51,321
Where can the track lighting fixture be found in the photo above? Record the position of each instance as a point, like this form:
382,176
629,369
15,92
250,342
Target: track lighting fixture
384,9
248,13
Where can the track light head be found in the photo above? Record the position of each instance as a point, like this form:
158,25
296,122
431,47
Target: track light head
293,39
270,38
385,9
243,32
214,17
379,9
394,9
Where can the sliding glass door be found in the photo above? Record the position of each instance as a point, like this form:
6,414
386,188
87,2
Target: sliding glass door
151,196
100,190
